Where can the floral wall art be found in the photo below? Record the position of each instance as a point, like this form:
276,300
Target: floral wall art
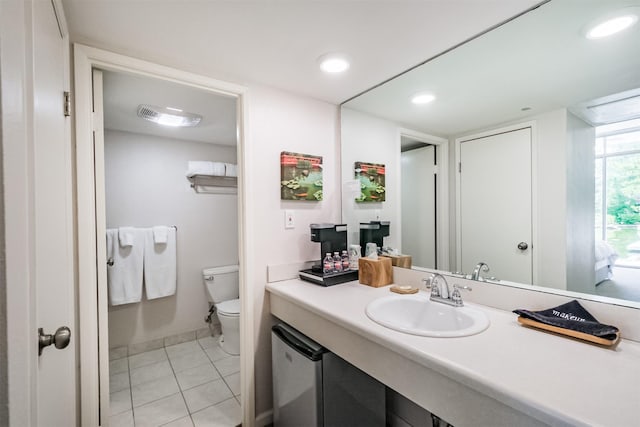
300,176
372,181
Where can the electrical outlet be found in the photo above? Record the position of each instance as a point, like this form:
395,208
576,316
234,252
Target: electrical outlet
288,220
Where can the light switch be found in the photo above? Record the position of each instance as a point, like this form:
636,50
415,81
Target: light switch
288,219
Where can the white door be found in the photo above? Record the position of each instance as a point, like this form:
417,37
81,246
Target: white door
495,205
53,221
418,209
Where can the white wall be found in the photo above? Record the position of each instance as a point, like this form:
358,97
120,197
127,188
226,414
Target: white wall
280,121
580,205
146,186
369,139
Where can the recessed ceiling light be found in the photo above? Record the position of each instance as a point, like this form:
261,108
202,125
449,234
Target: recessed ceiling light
611,26
168,116
334,63
423,98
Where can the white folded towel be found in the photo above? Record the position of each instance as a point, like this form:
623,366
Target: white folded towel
231,169
124,275
205,168
160,234
126,236
160,265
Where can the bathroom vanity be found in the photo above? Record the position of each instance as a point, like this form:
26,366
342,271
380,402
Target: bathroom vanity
507,375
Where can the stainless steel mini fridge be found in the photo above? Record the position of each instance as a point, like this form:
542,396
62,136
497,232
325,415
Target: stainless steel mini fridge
313,387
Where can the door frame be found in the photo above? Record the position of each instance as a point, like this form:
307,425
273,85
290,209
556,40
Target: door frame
534,189
442,198
92,322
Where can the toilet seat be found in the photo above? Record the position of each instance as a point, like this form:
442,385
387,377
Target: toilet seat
229,308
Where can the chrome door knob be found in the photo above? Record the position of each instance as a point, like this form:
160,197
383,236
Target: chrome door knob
60,339
523,246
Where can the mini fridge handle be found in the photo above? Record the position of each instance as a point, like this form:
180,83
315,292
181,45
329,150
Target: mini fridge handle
306,347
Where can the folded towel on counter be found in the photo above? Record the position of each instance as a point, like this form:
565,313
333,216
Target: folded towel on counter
124,269
126,236
571,316
160,264
160,234
231,169
205,168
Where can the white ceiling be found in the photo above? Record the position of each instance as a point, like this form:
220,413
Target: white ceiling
540,61
277,42
124,92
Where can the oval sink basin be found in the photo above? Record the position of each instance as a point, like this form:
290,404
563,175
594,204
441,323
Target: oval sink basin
417,315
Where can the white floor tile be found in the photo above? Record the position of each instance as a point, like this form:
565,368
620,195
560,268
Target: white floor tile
184,348
150,372
192,377
118,352
118,366
154,390
186,361
161,411
208,342
206,395
147,358
227,366
233,381
225,414
122,420
216,353
120,402
118,382
182,422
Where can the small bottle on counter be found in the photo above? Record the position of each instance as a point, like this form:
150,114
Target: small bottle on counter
337,262
345,261
327,264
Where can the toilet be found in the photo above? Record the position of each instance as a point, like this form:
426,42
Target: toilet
223,292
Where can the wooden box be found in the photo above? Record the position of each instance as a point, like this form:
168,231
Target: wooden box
402,261
375,273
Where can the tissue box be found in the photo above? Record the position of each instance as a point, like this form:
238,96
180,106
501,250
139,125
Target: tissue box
402,261
375,272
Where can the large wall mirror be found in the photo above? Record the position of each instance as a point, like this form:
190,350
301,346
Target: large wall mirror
522,151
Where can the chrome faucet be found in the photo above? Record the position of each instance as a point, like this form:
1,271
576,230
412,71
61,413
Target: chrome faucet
440,291
477,272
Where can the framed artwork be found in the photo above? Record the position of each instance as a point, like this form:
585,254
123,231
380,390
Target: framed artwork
372,181
300,176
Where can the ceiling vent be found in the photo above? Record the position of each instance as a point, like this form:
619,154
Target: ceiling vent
610,109
168,116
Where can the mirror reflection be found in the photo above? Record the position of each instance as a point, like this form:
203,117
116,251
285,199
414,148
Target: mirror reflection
519,149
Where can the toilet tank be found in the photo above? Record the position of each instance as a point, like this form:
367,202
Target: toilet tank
221,283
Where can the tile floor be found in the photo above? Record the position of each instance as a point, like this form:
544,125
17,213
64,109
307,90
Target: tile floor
190,384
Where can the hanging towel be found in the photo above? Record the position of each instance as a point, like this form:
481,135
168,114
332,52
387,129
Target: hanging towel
159,265
124,269
231,169
126,236
160,234
205,168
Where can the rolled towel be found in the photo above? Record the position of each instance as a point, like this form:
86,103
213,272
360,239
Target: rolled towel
205,168
126,236
231,169
160,234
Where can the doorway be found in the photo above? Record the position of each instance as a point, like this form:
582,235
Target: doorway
95,215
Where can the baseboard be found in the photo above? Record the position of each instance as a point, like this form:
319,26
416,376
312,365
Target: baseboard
265,419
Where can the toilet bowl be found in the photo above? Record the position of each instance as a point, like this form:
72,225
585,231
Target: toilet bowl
223,292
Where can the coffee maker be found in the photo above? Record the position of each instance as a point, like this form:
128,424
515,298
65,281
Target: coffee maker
332,238
373,232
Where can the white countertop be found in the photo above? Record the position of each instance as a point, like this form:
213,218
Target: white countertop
554,379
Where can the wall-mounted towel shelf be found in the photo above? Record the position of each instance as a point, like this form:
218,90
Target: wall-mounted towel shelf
214,184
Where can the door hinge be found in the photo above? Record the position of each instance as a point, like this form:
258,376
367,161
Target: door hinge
459,167
67,103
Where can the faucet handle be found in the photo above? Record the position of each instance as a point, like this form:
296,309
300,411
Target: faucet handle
429,284
456,297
